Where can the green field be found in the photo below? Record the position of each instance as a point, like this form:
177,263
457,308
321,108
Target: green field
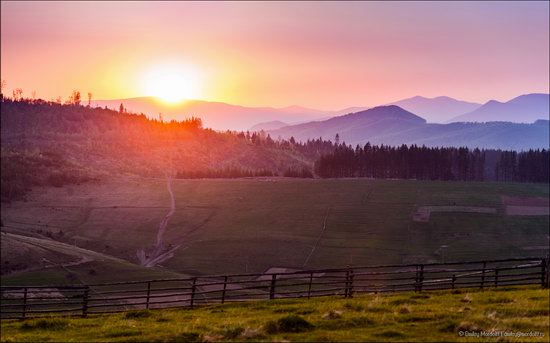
250,225
408,317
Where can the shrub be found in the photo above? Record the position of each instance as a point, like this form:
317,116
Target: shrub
291,323
390,334
138,314
46,324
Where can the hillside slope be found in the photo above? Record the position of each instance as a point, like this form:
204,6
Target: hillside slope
46,143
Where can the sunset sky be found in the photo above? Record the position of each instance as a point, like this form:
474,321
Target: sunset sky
324,55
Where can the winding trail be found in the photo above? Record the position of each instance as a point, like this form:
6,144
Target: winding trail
159,254
319,238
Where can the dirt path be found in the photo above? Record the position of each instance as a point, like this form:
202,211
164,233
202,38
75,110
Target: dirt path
319,238
159,254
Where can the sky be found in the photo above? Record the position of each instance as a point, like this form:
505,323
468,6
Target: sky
326,55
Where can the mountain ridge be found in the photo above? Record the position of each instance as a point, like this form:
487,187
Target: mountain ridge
526,108
393,125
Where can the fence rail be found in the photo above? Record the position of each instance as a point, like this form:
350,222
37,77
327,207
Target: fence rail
34,301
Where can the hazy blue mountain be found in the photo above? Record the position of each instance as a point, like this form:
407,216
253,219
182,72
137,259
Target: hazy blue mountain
216,115
523,109
436,110
393,125
270,125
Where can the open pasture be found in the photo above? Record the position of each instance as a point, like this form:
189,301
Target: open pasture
251,225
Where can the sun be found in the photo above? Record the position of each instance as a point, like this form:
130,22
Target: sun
172,83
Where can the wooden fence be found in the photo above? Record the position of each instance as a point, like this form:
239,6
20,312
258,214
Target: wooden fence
33,301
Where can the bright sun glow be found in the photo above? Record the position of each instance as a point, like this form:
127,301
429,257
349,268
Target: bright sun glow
173,83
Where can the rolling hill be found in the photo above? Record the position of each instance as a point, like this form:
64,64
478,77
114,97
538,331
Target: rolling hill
436,110
522,109
393,125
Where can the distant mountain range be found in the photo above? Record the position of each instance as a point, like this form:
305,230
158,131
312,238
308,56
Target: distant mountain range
523,109
393,125
436,110
408,121
215,115
220,115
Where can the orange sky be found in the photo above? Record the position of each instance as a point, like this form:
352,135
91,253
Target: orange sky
319,54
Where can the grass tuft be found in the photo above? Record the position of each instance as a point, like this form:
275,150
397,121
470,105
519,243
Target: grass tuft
137,314
46,324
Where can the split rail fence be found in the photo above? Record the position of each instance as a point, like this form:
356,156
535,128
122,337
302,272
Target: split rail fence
34,301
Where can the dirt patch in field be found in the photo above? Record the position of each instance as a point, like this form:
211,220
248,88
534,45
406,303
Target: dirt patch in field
49,293
526,206
423,213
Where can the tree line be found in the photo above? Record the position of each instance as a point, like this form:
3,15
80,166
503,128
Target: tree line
439,163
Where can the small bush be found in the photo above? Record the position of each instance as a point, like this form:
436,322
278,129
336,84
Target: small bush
136,314
420,296
46,324
291,323
354,307
390,334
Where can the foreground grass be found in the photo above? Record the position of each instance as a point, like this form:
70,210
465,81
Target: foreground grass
429,316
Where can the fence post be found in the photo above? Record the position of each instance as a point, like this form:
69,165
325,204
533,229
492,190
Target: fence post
193,287
148,294
224,288
453,280
543,267
483,275
85,301
350,292
272,288
24,313
309,286
421,278
346,285
416,279
496,277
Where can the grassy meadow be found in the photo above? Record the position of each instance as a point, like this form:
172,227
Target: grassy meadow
250,225
437,316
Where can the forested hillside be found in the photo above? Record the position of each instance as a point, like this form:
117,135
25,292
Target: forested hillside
50,143
46,143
